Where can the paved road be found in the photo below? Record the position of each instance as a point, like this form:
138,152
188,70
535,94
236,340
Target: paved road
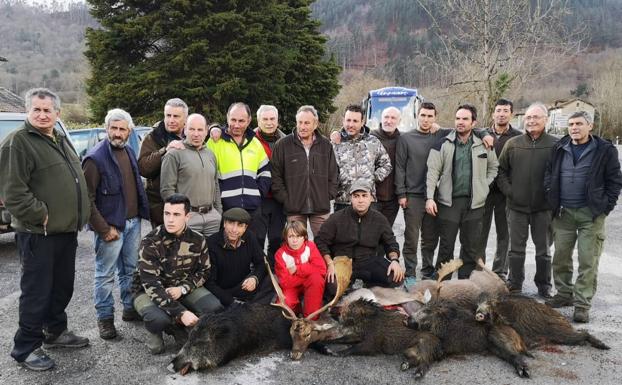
126,360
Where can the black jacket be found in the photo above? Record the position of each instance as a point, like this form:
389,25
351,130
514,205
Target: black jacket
304,185
605,181
346,234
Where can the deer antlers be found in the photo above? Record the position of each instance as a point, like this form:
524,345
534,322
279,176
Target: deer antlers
343,273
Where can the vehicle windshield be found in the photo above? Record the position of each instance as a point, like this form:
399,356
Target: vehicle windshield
80,141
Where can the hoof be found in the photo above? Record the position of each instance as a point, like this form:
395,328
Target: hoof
405,366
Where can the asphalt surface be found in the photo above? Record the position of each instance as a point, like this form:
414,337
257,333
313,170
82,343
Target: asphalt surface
127,361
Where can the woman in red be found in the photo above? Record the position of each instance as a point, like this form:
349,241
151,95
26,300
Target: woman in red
301,269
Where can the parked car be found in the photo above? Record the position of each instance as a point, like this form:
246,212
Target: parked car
9,121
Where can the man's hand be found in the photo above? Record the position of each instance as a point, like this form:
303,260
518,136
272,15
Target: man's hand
403,202
188,318
489,141
292,269
215,134
177,144
111,235
249,284
435,127
335,137
398,271
174,292
330,269
430,207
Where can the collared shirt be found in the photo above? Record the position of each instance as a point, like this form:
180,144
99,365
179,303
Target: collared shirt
232,246
461,178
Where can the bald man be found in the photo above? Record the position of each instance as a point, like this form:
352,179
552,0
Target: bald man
192,171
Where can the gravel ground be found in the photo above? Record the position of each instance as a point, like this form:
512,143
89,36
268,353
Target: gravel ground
126,360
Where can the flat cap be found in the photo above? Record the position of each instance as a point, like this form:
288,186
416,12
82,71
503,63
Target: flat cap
237,214
360,185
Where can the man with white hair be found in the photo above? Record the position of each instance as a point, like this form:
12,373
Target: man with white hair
388,134
521,179
193,172
118,204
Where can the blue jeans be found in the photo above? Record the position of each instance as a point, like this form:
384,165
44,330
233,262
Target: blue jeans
121,254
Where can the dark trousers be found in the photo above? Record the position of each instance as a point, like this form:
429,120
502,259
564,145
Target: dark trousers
469,221
269,222
48,271
389,209
417,220
495,205
520,225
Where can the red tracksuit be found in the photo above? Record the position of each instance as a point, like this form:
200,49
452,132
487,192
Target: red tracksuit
308,280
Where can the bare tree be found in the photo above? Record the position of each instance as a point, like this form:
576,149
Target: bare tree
489,46
608,98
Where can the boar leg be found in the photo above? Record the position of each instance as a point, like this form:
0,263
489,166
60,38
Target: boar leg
426,349
506,343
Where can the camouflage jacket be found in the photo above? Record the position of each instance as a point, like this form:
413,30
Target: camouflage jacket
169,261
362,158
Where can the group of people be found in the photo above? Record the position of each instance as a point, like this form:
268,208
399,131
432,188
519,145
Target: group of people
215,195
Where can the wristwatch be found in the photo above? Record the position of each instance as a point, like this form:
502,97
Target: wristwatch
184,291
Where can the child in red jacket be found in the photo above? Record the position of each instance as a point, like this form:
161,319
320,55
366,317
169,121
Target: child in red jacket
300,268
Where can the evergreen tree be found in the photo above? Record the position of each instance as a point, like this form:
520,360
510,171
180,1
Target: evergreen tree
210,54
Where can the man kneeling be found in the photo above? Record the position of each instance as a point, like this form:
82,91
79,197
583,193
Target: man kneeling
173,265
356,232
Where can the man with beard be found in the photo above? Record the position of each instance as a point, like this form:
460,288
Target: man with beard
118,203
165,136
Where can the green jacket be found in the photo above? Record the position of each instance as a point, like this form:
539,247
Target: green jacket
39,177
440,163
521,172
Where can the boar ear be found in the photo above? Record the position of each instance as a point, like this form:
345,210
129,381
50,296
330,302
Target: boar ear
427,296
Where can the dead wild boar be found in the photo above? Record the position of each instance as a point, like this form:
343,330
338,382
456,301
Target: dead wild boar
239,330
458,333
536,322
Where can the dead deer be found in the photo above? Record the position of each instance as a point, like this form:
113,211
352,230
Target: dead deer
305,331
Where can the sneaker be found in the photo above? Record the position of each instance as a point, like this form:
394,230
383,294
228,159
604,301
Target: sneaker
130,315
107,331
581,315
65,340
155,343
37,360
545,292
409,282
558,301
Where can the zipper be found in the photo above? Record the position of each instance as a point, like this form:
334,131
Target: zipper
61,150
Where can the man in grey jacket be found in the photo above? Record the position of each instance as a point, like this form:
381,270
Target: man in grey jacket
461,169
193,172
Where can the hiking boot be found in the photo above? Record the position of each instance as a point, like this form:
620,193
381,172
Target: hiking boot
558,301
107,331
37,360
581,315
65,340
130,315
545,292
155,343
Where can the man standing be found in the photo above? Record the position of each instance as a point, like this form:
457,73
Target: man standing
118,204
304,172
44,190
462,169
238,271
521,175
359,155
168,283
272,219
582,183
192,171
356,232
388,134
165,136
243,166
502,130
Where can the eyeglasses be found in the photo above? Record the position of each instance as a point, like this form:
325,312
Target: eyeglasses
534,117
